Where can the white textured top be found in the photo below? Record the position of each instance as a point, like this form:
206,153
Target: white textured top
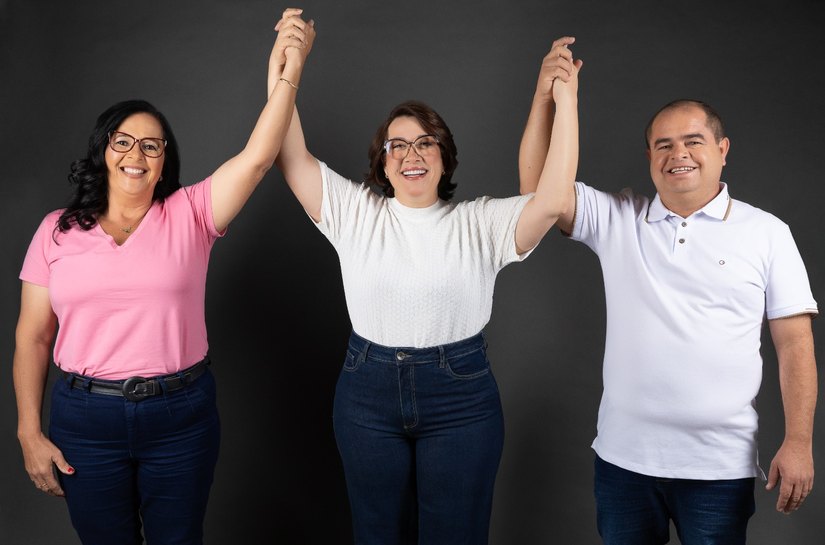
686,301
417,277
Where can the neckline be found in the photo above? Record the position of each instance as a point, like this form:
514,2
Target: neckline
415,212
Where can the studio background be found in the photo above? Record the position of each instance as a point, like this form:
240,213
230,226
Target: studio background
275,306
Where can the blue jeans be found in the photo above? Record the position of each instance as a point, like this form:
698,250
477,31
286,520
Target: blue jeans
148,461
420,433
634,509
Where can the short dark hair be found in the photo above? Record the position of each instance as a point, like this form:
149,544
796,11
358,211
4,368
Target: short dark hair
89,176
713,119
432,123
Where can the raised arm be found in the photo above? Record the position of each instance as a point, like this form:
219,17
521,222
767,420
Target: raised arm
36,328
235,180
557,64
554,193
793,464
296,163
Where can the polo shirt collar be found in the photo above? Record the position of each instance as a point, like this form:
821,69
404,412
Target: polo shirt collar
718,208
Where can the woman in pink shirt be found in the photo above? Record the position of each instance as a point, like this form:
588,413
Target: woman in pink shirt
116,281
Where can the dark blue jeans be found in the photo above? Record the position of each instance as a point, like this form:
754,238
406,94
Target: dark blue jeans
420,432
148,461
634,509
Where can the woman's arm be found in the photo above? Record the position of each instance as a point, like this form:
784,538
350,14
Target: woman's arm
35,333
535,140
555,192
296,163
236,179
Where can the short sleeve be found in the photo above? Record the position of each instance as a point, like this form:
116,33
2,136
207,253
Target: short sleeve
36,268
340,202
788,290
499,219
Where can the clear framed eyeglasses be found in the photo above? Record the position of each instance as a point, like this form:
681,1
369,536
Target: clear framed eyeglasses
425,145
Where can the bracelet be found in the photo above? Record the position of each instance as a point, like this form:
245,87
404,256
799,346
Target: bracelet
289,83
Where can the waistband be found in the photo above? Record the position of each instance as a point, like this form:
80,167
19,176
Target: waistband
409,355
137,388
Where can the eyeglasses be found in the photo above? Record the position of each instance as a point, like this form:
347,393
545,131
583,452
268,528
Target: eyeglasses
425,146
122,143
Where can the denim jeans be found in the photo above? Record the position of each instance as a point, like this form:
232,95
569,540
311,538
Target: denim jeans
634,509
140,466
420,433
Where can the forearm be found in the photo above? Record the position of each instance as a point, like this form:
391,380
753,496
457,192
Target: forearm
30,370
535,142
264,143
798,382
555,187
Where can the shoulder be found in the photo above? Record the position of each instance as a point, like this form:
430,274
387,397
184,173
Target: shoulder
625,199
755,218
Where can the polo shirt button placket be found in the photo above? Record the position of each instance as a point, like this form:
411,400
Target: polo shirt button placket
680,229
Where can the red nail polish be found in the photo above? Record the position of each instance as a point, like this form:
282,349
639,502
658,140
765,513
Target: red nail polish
70,470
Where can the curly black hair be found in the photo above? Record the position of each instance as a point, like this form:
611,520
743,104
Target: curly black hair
89,176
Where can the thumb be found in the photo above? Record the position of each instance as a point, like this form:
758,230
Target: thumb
773,476
62,465
578,63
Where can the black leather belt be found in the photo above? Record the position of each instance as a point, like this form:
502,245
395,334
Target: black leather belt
137,388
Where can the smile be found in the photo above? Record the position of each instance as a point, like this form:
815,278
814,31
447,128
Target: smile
132,170
679,170
414,172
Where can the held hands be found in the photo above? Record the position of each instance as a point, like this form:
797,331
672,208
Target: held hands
793,465
294,41
40,456
558,77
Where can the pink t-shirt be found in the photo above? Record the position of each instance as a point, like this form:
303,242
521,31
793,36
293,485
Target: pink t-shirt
135,309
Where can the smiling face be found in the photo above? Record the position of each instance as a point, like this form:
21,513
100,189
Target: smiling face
131,174
685,159
415,177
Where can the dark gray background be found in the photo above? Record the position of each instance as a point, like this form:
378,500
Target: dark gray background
275,307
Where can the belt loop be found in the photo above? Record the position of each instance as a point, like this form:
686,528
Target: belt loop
362,357
85,382
442,359
162,383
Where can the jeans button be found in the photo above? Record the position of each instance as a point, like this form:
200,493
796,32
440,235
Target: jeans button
400,356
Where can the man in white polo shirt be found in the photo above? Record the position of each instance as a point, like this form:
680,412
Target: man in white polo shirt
689,277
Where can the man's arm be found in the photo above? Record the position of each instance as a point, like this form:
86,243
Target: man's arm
535,140
793,464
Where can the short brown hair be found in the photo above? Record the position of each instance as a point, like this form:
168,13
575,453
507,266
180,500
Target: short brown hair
433,124
713,119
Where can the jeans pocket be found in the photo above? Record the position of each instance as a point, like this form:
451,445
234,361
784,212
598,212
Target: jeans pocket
469,366
352,361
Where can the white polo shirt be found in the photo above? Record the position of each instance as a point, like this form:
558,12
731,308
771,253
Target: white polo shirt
686,300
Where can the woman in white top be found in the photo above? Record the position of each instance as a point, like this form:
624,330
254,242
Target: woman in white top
417,415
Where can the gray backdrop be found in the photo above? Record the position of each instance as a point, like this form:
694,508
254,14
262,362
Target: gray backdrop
275,307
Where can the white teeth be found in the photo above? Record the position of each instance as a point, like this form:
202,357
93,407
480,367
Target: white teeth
419,172
680,169
130,170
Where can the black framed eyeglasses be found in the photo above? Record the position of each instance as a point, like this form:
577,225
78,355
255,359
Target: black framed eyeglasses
425,145
122,142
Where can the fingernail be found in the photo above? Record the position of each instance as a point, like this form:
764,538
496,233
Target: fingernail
70,470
